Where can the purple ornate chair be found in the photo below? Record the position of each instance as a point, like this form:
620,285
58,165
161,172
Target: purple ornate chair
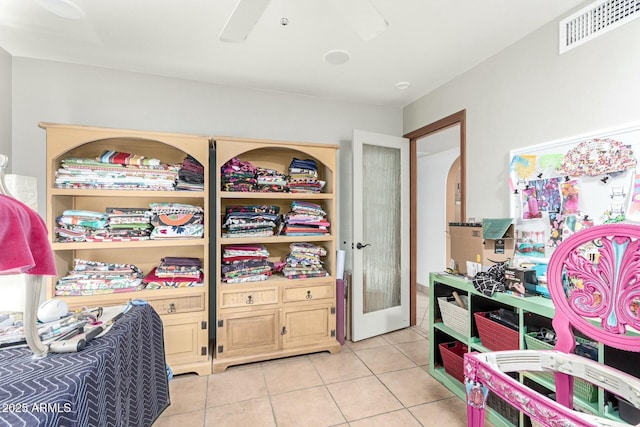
594,282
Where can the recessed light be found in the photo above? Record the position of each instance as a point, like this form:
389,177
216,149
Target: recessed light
337,57
62,8
403,85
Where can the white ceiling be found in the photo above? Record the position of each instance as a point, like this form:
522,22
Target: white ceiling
427,43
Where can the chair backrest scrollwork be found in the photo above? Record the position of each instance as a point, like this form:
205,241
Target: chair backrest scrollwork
594,281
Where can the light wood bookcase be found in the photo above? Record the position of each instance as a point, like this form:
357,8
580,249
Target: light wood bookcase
184,311
278,317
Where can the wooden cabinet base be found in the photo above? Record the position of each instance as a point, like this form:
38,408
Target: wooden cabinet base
220,365
200,368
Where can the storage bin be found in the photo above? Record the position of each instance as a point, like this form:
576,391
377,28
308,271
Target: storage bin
581,389
503,408
495,336
453,358
454,316
628,412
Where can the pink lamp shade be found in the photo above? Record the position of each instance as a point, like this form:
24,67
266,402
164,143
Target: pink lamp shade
24,244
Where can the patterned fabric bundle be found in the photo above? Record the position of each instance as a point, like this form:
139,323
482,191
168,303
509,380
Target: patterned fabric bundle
80,225
237,175
305,219
187,267
303,177
94,277
120,158
270,180
191,175
176,220
127,224
492,280
304,261
93,174
175,272
251,221
245,263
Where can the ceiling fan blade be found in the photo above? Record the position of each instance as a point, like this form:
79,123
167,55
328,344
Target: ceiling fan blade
362,16
242,20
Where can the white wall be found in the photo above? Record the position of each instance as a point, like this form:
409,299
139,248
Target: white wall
528,94
67,93
5,104
432,172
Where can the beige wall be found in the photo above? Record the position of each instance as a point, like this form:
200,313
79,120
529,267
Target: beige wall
68,93
528,94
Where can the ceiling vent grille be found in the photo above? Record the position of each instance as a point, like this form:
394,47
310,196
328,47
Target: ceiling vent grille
594,20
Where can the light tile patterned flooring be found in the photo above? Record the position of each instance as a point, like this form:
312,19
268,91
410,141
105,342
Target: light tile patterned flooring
381,381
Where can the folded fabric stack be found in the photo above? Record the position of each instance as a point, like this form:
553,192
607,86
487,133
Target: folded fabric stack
94,277
245,263
191,175
251,221
175,272
304,261
303,177
139,173
237,175
80,225
271,181
176,221
126,224
120,158
305,219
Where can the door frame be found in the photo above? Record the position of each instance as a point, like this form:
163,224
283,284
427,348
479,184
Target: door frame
459,118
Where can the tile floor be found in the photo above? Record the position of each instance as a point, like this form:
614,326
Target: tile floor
382,381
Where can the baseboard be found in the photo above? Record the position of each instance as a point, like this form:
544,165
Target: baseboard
423,289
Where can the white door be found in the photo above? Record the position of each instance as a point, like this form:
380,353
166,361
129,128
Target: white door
380,282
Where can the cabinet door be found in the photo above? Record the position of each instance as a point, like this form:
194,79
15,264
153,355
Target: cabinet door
247,333
308,325
185,338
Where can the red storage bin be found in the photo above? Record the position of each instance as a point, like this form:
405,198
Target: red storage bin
495,336
453,358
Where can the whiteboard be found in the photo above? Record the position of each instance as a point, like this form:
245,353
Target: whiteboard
560,187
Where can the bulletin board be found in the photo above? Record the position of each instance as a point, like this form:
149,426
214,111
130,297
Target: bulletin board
560,187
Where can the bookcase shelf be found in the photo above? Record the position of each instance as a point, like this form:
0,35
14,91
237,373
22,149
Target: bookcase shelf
277,317
184,311
533,311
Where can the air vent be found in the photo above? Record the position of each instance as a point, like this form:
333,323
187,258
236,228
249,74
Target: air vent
594,20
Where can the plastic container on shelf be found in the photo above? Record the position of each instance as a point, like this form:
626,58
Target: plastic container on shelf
453,358
582,389
495,336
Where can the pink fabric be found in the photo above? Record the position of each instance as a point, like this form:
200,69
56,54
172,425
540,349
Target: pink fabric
24,243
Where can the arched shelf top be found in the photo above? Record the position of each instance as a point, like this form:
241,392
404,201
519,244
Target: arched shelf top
262,151
86,141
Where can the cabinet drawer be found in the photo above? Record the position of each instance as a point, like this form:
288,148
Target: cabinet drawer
248,297
174,305
307,293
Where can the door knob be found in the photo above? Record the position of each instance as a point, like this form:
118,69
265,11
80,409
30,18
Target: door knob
360,245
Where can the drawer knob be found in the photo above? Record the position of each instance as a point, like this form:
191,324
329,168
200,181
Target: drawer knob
309,296
172,308
284,330
249,300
